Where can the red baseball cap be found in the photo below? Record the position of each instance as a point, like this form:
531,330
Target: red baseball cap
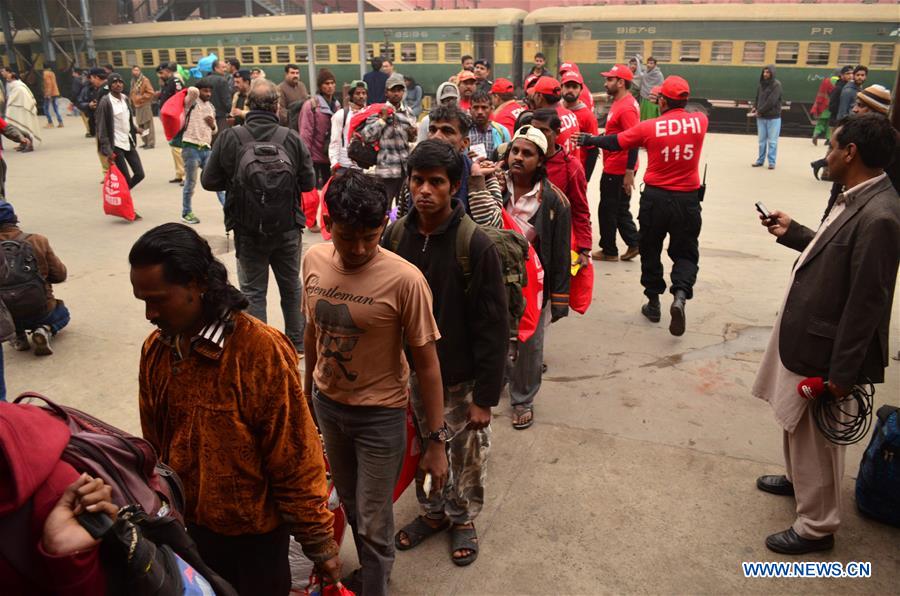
674,87
548,86
502,86
568,66
619,71
572,76
465,75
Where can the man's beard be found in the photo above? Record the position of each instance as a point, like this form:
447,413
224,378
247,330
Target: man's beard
570,97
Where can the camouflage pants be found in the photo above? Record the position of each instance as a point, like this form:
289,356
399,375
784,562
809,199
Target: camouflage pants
463,496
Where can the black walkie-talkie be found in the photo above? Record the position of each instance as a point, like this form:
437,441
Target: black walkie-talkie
701,192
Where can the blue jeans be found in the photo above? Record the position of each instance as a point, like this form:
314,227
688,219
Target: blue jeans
768,130
47,102
194,160
56,319
365,447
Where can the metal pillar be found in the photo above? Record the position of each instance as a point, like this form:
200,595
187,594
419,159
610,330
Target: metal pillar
46,35
248,8
7,33
310,49
363,54
88,33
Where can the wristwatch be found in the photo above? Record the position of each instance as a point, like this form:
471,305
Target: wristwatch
441,435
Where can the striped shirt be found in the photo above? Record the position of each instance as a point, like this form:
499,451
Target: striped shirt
209,341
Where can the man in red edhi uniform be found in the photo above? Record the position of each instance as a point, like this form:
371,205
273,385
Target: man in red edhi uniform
670,203
506,107
572,85
619,167
585,96
548,94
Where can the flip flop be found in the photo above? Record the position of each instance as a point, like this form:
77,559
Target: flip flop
518,412
463,539
417,532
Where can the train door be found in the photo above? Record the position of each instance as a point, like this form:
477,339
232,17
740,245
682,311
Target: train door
550,37
484,44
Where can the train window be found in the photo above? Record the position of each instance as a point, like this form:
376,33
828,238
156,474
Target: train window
102,57
408,52
662,50
632,48
370,51
196,55
606,51
181,57
301,53
786,52
117,59
282,54
323,53
247,56
147,57
131,58
818,53
690,51
430,52
230,52
214,51
344,52
452,52
265,54
722,51
164,55
754,51
882,55
387,51
849,53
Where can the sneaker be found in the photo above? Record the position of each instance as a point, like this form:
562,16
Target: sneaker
632,252
599,255
60,125
41,339
175,181
20,343
771,166
190,218
756,164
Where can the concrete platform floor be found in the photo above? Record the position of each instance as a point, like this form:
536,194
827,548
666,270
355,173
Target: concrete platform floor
638,475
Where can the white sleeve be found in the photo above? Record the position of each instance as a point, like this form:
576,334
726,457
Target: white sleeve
337,134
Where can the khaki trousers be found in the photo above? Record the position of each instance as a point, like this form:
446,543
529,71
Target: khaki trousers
86,121
815,466
179,162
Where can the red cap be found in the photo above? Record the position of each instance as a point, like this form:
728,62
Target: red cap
465,75
548,86
675,87
502,86
620,71
655,90
568,66
572,77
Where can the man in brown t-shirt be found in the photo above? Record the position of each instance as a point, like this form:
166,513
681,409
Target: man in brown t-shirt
363,305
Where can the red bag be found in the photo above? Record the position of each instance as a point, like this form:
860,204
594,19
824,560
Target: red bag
171,114
534,290
581,286
310,204
326,236
413,453
116,195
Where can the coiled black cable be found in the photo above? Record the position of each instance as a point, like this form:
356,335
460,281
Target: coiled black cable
846,420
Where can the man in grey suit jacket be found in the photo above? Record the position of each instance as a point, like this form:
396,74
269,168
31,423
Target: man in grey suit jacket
833,323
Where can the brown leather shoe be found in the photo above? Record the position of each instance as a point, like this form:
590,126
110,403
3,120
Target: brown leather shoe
632,252
599,255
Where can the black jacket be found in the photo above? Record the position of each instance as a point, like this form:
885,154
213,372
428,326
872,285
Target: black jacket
90,93
220,168
169,88
769,96
474,324
834,101
553,224
105,123
837,314
221,94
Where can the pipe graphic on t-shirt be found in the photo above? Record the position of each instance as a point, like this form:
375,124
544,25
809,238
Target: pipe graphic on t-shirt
339,335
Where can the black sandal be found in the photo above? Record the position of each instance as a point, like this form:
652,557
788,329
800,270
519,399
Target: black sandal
418,531
463,538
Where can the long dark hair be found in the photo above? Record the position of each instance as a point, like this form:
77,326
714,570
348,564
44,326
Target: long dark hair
185,257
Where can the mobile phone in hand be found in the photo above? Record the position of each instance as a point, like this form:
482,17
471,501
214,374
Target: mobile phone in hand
763,211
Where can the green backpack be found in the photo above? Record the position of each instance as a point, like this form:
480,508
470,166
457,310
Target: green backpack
513,249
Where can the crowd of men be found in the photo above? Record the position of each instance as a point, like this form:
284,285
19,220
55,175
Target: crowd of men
416,310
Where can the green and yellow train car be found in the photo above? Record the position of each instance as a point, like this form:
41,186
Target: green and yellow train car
721,49
424,45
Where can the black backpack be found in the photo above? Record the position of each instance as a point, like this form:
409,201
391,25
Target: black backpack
264,198
22,287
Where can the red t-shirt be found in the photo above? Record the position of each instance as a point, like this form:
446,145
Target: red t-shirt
464,104
673,142
506,114
587,122
624,113
568,128
586,98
